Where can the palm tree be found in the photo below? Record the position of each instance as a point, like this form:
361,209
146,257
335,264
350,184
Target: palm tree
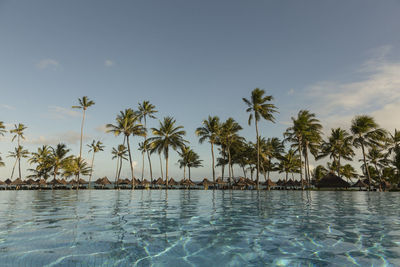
272,149
119,153
319,172
127,124
210,131
349,172
75,166
2,128
377,158
166,136
84,103
146,109
338,146
18,153
95,147
366,133
59,159
228,137
189,159
43,161
259,107
305,135
18,132
144,147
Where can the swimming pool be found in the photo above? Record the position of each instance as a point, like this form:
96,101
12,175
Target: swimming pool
199,228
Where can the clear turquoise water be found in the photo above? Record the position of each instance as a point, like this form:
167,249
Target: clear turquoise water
199,228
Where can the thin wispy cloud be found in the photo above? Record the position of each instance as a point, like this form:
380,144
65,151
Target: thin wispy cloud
290,92
109,63
101,128
48,63
5,106
70,137
377,94
62,113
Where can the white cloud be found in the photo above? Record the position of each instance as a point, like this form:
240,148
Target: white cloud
7,107
101,128
61,112
376,93
47,63
109,63
70,137
291,92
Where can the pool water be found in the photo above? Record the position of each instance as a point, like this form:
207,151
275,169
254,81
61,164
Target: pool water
199,228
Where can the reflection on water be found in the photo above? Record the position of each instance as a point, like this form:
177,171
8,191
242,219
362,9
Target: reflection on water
199,228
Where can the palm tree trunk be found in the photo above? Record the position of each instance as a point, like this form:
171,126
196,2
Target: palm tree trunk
258,152
338,168
366,166
119,171
15,164
213,163
91,171
166,166
189,174
130,162
301,166
19,159
379,176
142,166
222,171
162,174
184,172
229,168
147,151
80,147
244,171
116,173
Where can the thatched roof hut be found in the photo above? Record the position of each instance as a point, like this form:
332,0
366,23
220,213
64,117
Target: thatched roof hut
360,184
332,181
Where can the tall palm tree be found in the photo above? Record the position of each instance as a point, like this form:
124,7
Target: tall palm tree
146,109
166,136
210,131
76,166
273,149
228,136
144,147
338,146
18,132
260,106
18,153
189,159
84,103
366,132
128,125
94,147
377,158
119,153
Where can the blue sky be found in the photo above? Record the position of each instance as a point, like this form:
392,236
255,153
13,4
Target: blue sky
192,59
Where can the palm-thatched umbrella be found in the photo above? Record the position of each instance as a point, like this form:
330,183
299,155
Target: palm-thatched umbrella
103,181
280,182
41,182
159,182
63,181
17,182
54,183
220,182
8,181
360,184
269,183
187,183
30,181
332,181
2,183
205,183
145,183
172,182
250,182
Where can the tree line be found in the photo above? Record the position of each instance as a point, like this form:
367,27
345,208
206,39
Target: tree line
289,155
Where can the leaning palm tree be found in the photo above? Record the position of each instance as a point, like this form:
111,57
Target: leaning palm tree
128,125
18,153
84,103
366,133
146,109
339,146
260,106
210,131
94,147
18,132
166,136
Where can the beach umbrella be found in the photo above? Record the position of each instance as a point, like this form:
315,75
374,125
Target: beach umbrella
145,182
360,184
103,181
172,182
2,183
205,182
17,181
30,181
159,181
123,182
332,181
63,181
269,183
219,181
81,181
8,182
187,182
